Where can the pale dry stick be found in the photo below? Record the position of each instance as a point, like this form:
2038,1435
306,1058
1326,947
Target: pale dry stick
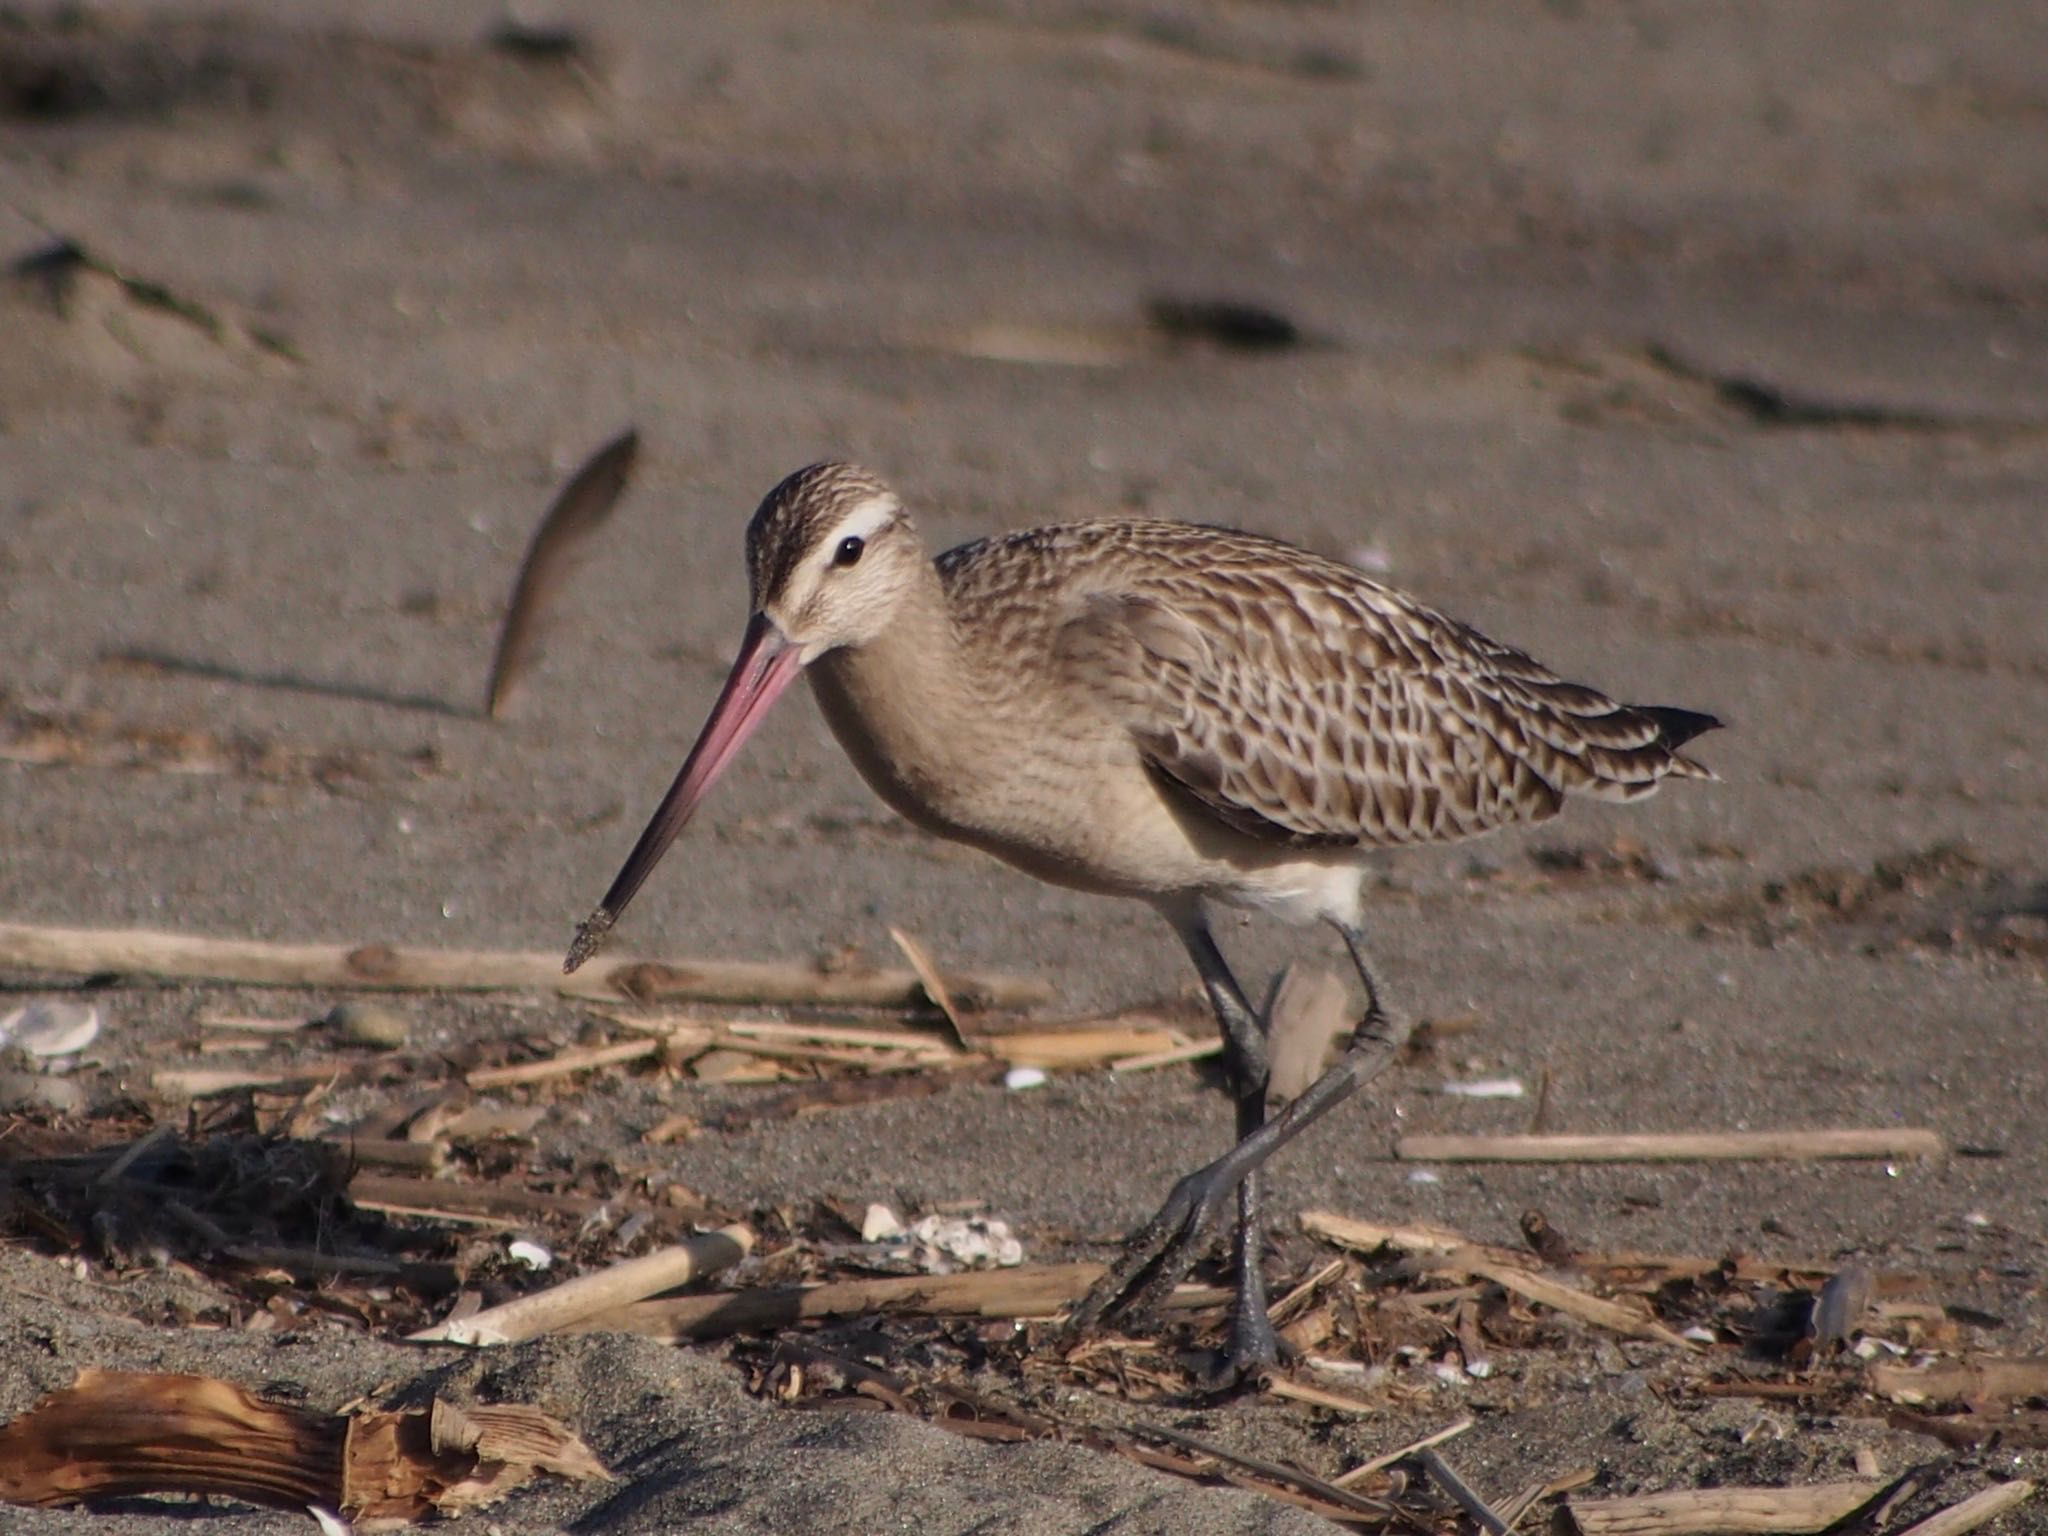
1972,1378
934,984
1700,1146
563,1064
1733,1511
1278,1312
866,1059
250,1024
1317,1397
368,967
1365,1469
1068,1048
1973,1511
1370,1236
1173,1056
795,1042
561,1306
200,1082
1560,1297
1031,1291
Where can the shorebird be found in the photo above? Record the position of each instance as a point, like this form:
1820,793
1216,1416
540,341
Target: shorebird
1181,714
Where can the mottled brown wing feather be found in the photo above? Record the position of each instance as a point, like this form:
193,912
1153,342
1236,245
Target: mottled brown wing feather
1299,701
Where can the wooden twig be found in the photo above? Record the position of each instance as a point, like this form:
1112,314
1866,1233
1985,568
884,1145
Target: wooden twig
560,1306
202,1082
1365,1469
1735,1511
188,957
1370,1236
563,1064
1028,1291
1560,1297
934,984
1975,1378
1973,1511
1701,1146
1298,1391
1072,1048
1195,1050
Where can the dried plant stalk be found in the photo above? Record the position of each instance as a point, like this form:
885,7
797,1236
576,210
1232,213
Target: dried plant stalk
188,957
1690,1146
563,1305
1726,1511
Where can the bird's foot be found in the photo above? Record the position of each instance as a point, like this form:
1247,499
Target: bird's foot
1253,1350
1158,1255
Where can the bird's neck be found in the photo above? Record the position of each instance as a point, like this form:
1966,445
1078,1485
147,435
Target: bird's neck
900,704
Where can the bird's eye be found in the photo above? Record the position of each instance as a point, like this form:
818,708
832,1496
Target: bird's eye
849,550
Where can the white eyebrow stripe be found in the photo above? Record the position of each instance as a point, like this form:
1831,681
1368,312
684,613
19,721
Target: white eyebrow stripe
863,522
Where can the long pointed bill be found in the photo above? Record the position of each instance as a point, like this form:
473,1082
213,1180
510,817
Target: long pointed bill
767,665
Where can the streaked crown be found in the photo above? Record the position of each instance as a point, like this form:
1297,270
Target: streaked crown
803,513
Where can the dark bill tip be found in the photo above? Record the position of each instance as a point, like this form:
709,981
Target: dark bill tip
591,934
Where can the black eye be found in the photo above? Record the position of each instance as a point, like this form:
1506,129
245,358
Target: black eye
849,551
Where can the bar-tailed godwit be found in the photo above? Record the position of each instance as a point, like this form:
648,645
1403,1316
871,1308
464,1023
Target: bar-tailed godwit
1180,714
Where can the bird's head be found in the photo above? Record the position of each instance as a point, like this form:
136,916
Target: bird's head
830,553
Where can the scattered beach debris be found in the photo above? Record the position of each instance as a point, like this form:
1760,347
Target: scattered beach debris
50,1027
124,1432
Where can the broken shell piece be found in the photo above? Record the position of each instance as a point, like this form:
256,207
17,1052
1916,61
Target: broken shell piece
51,1028
946,1243
1486,1088
525,1251
880,1225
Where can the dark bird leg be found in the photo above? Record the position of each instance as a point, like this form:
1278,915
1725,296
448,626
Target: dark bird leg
1253,1344
1162,1251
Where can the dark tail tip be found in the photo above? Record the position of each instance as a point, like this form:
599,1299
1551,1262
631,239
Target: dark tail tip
1678,726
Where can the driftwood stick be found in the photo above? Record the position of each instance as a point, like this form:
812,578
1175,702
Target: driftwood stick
189,957
1365,1469
1415,1237
1560,1297
1973,1511
200,1082
559,1306
563,1064
1308,1392
1030,1291
1973,1378
1700,1146
1730,1511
